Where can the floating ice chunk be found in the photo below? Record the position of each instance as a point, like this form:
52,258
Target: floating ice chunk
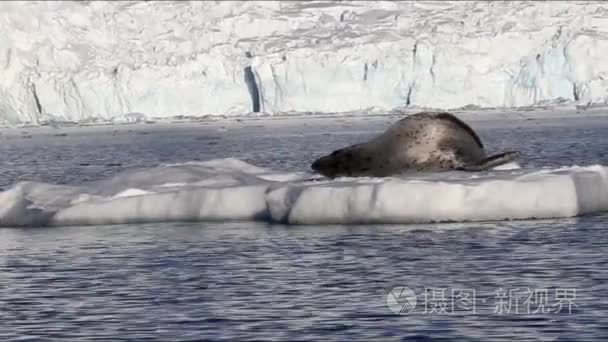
132,192
31,203
528,195
188,204
222,189
13,208
230,189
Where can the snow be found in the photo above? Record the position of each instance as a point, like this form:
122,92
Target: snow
138,61
230,189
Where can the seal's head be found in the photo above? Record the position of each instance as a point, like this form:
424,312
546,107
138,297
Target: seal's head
326,165
347,161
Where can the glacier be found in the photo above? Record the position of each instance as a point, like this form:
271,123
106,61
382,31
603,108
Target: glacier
232,190
94,61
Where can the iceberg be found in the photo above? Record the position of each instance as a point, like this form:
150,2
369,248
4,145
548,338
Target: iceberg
233,190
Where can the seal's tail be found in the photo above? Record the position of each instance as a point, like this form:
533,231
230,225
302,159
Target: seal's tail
493,161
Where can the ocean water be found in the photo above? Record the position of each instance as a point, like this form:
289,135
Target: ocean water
191,281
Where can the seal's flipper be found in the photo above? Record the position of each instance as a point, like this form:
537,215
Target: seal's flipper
492,161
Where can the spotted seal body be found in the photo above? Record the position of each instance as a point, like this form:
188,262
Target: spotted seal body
423,142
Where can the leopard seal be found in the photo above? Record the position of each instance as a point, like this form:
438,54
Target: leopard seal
422,142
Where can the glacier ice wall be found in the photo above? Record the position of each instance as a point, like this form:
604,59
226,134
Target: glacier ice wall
102,61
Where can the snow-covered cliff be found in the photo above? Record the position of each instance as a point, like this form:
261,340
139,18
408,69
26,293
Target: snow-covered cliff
93,60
